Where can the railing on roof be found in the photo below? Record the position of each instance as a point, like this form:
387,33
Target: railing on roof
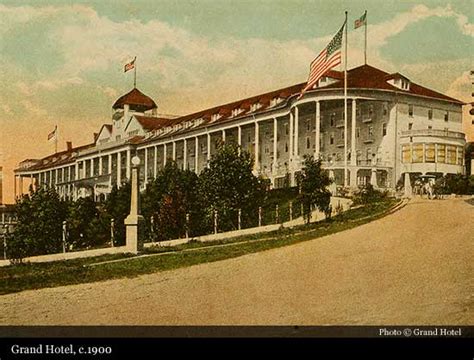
433,132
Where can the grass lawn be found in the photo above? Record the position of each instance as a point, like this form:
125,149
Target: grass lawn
40,275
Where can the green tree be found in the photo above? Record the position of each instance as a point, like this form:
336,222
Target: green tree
313,182
39,229
228,185
88,225
167,199
117,207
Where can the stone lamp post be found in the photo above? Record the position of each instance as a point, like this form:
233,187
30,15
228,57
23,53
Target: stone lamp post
134,219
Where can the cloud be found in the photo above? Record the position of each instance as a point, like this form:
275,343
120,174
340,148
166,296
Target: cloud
461,87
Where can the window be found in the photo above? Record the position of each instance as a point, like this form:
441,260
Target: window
410,126
358,132
451,150
446,116
286,128
308,143
430,127
441,153
417,153
406,153
370,130
410,110
286,147
331,139
333,117
430,114
385,109
384,129
371,111
342,134
430,153
308,125
460,155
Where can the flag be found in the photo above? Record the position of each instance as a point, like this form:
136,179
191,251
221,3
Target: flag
130,65
52,134
327,59
361,21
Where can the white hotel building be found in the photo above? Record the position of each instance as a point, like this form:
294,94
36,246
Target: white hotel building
394,127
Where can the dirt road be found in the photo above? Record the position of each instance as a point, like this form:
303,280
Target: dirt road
412,267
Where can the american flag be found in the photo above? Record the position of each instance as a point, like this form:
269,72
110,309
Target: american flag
327,59
130,65
52,134
361,21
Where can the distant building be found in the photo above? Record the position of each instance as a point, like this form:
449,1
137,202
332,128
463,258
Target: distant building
394,127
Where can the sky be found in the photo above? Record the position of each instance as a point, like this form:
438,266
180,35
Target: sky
62,61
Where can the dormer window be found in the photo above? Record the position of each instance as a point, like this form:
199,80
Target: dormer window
236,112
275,101
400,82
255,106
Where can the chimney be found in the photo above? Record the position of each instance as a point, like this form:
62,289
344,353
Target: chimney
69,145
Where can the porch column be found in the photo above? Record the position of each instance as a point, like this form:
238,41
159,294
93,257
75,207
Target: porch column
353,134
208,146
109,165
119,169
185,154
239,137
196,155
109,170
373,178
165,154
155,162
174,151
257,148
291,135
76,175
223,135
275,145
92,169
20,185
128,164
146,166
317,136
14,186
296,152
100,165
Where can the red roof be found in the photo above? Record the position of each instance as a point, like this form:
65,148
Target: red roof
137,101
153,123
368,77
60,158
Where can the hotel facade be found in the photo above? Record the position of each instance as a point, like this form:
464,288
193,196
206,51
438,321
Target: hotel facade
394,127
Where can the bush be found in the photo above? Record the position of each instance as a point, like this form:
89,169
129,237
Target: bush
87,224
38,231
228,185
455,184
368,194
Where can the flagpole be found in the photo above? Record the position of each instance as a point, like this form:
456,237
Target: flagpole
365,44
345,104
135,73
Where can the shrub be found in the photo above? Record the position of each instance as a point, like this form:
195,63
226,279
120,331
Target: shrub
367,194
